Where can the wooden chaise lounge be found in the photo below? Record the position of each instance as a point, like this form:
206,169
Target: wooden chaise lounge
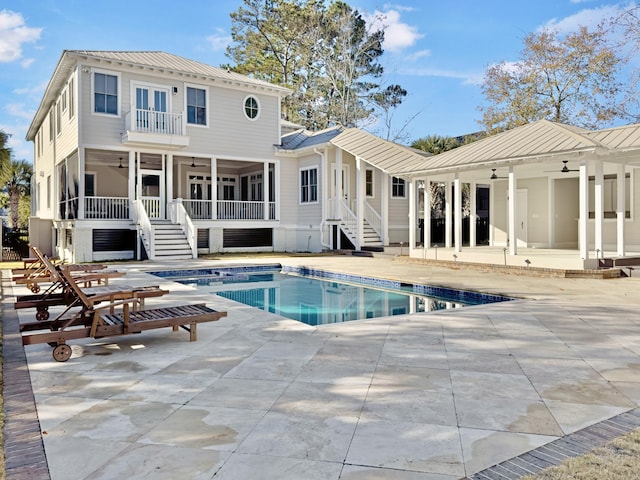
44,273
100,319
60,291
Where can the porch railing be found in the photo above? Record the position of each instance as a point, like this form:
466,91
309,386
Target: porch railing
151,121
198,209
152,207
244,210
179,215
145,229
349,222
109,208
69,208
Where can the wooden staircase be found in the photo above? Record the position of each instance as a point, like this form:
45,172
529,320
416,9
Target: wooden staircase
169,241
371,240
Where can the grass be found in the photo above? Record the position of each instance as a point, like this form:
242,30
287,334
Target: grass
617,460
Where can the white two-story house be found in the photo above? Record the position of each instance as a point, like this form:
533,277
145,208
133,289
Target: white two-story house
151,155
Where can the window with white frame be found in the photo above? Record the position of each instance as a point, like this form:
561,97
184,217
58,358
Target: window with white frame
251,107
64,100
610,196
255,187
49,191
397,187
58,119
52,124
90,184
309,185
72,105
368,182
196,106
105,93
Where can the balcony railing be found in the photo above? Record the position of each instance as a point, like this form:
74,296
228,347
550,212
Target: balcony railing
151,121
110,208
229,209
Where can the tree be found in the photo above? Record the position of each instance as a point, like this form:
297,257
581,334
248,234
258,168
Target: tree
322,50
436,143
16,178
5,152
626,28
570,80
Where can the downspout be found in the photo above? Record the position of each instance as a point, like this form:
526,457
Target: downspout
323,155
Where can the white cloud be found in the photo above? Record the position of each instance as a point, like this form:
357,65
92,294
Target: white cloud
19,110
589,17
397,34
418,55
26,63
219,40
467,78
32,92
400,8
13,34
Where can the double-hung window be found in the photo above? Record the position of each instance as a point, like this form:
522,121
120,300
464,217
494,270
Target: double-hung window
196,106
309,185
105,93
397,187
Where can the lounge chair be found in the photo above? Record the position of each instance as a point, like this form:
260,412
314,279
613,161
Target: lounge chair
99,318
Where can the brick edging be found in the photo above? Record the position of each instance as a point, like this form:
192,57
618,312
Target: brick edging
23,446
569,446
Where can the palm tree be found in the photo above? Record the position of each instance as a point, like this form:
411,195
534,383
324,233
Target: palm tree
436,144
16,178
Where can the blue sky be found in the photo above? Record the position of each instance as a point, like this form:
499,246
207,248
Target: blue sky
437,50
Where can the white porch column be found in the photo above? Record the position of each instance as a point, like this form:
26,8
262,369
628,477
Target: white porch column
359,201
583,225
457,202
169,177
513,241
412,215
277,188
473,214
132,176
338,181
599,208
214,188
447,213
265,190
621,195
384,203
81,187
427,214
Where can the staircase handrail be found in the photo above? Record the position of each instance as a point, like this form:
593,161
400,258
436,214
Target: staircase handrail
178,215
373,218
144,227
349,221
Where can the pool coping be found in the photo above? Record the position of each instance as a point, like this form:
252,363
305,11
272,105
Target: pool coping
469,297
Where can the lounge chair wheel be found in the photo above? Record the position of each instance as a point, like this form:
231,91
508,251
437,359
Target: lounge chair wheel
35,288
52,344
42,315
62,353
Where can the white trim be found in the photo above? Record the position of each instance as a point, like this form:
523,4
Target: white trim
118,76
397,197
244,109
309,168
206,98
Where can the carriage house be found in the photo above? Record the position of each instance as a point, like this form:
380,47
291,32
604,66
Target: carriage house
151,155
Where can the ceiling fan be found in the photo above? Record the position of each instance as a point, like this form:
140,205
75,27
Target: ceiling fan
121,165
194,164
494,176
565,168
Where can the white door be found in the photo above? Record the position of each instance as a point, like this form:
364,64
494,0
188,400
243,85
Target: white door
522,233
151,192
151,109
344,179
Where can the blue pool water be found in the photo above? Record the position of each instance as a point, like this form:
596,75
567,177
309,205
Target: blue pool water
316,297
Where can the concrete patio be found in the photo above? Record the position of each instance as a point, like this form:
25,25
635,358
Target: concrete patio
433,396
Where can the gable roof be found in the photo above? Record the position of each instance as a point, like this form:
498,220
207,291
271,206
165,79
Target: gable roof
301,139
151,61
532,141
387,156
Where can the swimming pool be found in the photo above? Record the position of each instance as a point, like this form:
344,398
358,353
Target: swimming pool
317,297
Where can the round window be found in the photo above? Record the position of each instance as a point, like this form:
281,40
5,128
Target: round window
251,108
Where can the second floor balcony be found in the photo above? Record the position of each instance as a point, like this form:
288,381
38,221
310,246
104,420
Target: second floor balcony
151,127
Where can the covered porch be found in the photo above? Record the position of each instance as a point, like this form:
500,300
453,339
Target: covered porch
553,188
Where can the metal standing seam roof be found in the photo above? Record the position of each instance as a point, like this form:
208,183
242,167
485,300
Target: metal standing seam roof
301,139
157,60
534,140
620,138
383,154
